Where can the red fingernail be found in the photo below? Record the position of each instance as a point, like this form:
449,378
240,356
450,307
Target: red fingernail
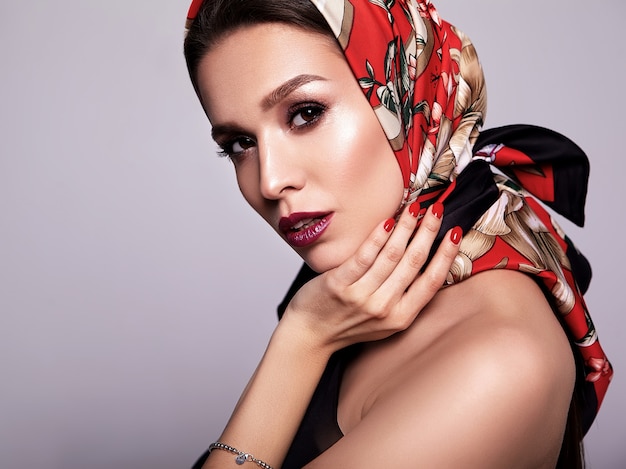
438,209
456,235
389,225
414,209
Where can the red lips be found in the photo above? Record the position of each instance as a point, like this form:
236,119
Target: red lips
304,228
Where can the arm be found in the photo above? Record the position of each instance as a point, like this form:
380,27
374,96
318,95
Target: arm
375,293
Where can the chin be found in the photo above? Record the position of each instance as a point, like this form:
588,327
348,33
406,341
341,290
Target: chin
324,256
321,263
316,267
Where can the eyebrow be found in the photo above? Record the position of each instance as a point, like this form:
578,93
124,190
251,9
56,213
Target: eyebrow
284,90
269,101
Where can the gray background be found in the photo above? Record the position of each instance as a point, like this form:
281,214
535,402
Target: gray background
137,291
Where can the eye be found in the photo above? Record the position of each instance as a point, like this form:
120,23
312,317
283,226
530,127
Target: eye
236,146
305,114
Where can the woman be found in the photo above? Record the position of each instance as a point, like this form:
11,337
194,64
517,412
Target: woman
373,364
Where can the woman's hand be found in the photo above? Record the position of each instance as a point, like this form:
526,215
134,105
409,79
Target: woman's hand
380,289
376,292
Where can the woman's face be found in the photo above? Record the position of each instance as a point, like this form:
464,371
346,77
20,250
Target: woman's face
310,156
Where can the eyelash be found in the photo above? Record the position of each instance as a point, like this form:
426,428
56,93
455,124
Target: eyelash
298,109
293,112
226,150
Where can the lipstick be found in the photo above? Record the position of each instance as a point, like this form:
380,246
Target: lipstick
304,228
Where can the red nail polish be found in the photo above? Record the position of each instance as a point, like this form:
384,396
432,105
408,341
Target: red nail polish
456,235
438,209
389,225
414,209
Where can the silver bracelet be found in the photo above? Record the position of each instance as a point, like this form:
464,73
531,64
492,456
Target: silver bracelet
241,456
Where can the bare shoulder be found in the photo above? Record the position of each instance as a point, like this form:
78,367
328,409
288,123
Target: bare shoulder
482,379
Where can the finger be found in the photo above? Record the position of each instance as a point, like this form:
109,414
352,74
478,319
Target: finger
393,251
414,257
428,283
362,260
405,292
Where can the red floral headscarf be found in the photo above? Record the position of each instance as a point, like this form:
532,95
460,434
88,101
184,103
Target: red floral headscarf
421,77
423,80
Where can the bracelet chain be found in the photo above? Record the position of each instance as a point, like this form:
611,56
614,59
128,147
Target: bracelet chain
241,456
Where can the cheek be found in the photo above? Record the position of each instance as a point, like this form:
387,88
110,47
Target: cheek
365,155
345,144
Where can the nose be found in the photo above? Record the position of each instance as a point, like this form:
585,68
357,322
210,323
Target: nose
280,169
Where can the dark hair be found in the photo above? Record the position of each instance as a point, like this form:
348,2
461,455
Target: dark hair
572,455
217,18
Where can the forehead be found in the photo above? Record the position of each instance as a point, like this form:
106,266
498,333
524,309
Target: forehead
253,60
